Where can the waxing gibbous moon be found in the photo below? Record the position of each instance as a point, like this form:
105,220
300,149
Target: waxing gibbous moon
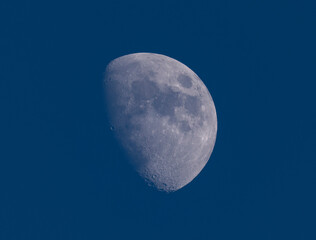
162,115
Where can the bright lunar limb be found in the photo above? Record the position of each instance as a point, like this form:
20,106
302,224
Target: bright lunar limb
162,115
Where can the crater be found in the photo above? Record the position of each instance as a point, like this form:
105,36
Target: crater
185,80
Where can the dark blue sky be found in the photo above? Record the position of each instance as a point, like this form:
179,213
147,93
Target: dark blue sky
61,175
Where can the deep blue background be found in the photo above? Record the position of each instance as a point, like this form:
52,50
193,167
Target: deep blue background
61,175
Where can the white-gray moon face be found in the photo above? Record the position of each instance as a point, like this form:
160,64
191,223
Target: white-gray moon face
163,115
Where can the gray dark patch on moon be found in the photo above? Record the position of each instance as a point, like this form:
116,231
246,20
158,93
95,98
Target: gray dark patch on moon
184,126
163,116
144,89
192,104
185,80
166,101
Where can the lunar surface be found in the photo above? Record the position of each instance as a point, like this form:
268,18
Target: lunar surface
162,115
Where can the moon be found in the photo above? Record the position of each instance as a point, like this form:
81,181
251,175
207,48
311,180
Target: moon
162,115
